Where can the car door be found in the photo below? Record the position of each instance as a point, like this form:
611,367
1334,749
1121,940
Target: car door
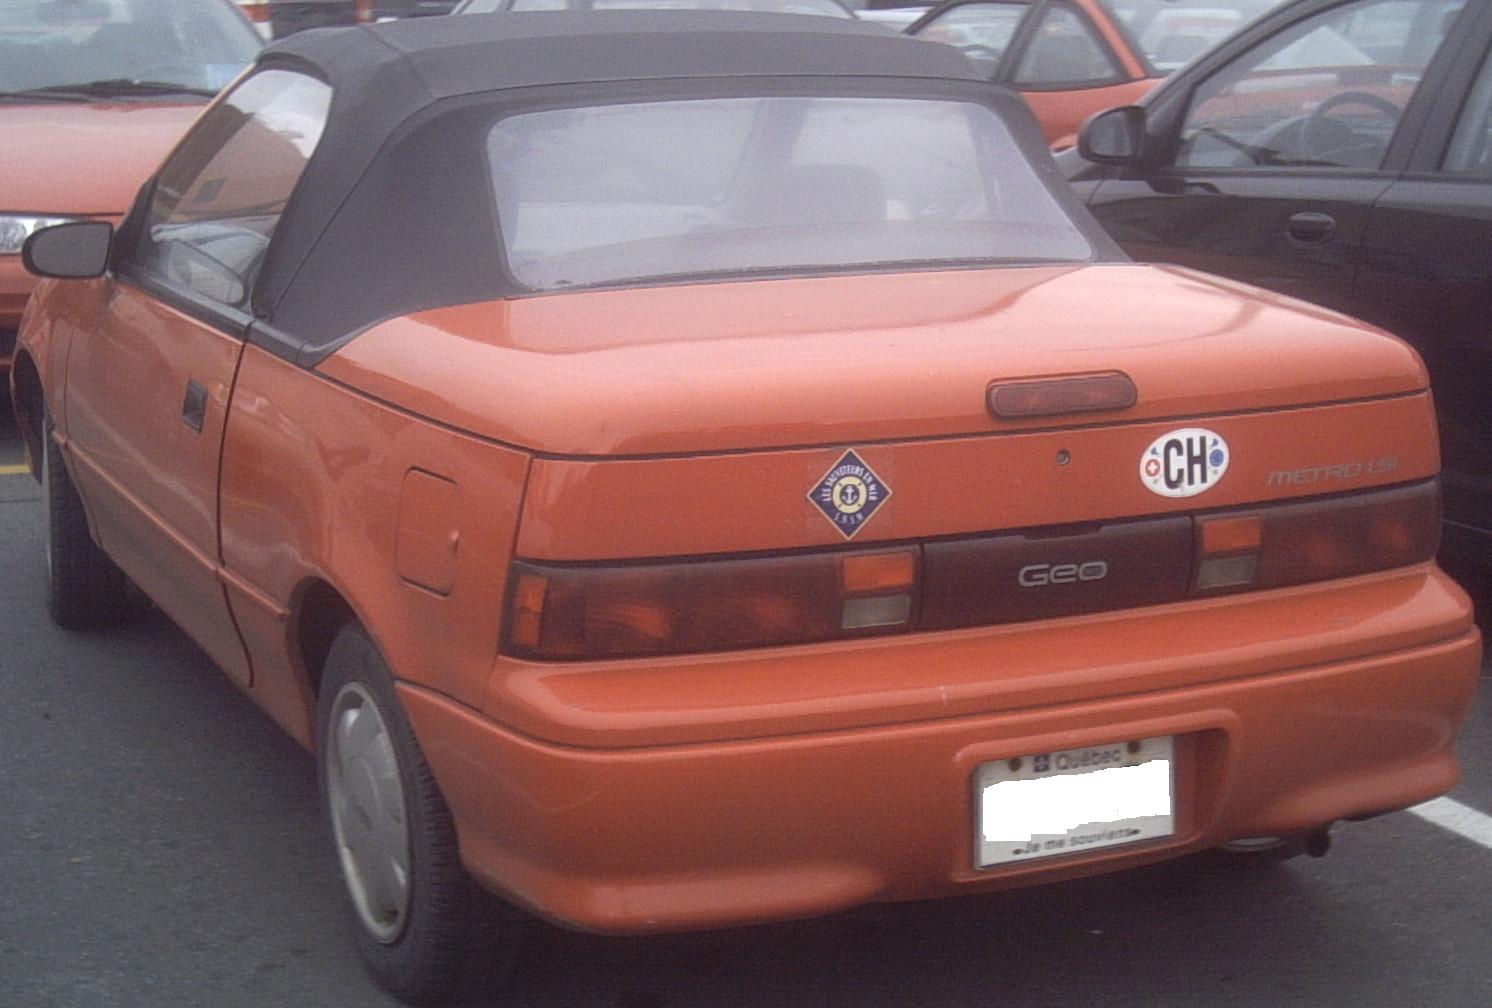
1265,160
148,389
1426,275
1063,61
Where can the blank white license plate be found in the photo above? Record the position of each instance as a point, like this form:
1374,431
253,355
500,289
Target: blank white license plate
1075,800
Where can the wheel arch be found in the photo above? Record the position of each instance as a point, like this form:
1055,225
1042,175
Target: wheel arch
27,401
319,614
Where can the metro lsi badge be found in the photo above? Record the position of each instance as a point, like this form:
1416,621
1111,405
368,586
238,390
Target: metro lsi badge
1184,462
849,493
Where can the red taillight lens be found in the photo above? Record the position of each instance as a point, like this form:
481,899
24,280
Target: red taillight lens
256,12
363,11
574,611
1287,544
706,605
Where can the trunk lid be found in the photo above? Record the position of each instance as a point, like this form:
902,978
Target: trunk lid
777,364
736,418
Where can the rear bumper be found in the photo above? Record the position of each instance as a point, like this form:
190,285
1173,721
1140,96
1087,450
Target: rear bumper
718,833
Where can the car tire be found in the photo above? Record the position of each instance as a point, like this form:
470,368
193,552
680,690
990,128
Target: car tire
85,589
425,931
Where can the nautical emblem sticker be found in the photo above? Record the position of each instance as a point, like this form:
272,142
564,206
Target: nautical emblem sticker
1184,463
849,494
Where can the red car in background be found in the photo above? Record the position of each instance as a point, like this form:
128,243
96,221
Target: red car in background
93,93
1072,58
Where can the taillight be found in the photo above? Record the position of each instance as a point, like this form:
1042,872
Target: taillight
707,605
1316,540
584,611
363,11
255,12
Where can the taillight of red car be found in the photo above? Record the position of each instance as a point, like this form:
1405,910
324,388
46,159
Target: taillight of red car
255,12
571,612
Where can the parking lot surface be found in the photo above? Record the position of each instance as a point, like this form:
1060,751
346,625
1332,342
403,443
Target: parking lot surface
163,847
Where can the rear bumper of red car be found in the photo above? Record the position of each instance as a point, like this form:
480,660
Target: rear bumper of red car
631,839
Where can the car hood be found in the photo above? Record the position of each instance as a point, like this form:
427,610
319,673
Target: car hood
65,158
771,364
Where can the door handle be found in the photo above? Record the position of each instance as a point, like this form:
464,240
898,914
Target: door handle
1311,228
194,406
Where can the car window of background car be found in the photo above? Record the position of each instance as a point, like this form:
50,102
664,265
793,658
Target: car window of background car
1064,49
1470,150
61,43
1325,93
823,8
982,30
1171,33
220,195
626,192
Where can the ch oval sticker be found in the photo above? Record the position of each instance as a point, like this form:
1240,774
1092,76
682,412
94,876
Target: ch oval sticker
1184,462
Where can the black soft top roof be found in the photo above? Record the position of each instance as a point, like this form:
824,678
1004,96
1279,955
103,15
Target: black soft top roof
484,52
399,162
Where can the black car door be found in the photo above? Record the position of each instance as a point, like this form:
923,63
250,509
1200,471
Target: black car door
1264,160
1426,274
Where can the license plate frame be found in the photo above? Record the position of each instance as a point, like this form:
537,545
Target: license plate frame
1074,801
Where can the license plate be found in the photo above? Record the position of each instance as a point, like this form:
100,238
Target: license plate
1074,801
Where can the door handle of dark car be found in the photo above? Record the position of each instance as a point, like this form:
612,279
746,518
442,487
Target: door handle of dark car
1311,228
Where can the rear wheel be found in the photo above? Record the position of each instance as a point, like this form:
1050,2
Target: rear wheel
84,587
424,929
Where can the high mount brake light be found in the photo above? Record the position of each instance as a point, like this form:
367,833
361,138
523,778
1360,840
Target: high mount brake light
578,612
1017,400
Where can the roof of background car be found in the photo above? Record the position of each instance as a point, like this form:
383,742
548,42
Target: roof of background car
456,56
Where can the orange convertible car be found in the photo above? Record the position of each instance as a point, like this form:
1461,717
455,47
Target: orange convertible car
720,475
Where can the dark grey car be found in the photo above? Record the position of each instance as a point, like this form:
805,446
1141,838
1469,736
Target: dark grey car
1339,151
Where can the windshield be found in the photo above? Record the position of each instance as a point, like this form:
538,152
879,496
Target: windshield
731,186
1171,33
121,48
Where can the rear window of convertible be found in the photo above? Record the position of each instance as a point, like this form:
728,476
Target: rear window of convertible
621,194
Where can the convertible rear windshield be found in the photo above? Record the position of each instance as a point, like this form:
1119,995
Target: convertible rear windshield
627,193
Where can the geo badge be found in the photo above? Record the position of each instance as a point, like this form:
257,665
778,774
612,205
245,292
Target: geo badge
849,494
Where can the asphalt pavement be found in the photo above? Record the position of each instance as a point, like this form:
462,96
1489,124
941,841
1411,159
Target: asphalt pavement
162,847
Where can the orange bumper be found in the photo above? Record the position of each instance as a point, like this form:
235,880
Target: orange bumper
662,837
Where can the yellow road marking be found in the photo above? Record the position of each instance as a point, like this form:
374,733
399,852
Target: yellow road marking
14,470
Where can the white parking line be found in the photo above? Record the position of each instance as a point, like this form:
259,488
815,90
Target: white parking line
1457,818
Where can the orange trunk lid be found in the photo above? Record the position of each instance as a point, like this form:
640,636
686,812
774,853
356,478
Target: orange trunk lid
714,418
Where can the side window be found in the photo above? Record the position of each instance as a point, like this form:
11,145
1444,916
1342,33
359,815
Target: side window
982,30
221,194
1470,152
1326,93
1064,50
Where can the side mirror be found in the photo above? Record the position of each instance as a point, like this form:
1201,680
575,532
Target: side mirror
1114,136
77,250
